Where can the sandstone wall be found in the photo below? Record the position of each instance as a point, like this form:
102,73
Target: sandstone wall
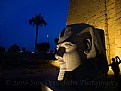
103,14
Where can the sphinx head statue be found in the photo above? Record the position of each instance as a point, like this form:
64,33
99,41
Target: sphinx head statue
81,47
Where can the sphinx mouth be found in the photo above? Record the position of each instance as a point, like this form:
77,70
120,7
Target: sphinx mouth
61,61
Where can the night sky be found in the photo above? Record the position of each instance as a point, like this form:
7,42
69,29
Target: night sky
14,21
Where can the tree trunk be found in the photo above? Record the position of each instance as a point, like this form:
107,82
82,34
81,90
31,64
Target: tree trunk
36,38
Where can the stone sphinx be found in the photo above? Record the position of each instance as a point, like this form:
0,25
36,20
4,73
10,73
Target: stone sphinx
81,51
82,57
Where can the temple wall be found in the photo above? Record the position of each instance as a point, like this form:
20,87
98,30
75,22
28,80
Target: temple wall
103,14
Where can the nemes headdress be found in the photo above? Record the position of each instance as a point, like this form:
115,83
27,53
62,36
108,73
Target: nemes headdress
74,30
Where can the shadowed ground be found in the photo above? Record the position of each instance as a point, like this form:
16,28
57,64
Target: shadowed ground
29,76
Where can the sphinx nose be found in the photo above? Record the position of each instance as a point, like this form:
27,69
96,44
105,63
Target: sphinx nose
61,51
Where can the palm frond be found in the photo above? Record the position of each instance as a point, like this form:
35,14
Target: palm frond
38,20
31,21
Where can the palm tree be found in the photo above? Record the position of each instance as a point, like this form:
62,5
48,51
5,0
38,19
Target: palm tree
37,20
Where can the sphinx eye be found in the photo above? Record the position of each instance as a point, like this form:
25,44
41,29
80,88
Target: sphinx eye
68,45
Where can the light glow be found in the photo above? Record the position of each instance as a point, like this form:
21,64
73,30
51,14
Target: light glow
55,63
110,71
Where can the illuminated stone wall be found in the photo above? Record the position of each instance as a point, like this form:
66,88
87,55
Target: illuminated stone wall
104,14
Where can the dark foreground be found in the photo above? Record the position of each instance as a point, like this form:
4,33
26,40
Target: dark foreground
30,76
26,75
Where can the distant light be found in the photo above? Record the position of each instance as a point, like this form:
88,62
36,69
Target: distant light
33,52
48,52
47,36
21,51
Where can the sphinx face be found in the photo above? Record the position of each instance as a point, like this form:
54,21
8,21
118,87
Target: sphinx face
75,51
69,58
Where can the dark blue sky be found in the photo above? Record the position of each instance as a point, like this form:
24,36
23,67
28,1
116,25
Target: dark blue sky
14,26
